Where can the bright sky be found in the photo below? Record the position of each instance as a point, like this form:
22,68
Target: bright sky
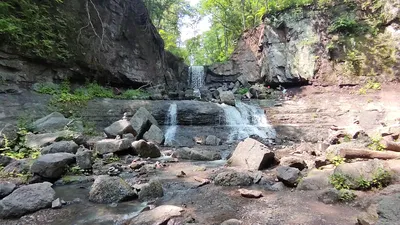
189,30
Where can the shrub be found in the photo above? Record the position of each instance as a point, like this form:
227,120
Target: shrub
339,181
344,24
346,195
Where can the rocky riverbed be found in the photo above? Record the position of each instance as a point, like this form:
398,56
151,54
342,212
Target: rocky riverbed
303,175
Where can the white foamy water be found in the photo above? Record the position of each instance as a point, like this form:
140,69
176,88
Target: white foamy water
171,120
196,79
245,120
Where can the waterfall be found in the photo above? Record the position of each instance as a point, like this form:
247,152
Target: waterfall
171,120
196,79
245,120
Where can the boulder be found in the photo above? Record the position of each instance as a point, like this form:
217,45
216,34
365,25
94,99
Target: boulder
279,186
56,204
232,222
27,199
62,146
6,188
253,155
112,145
107,189
233,178
146,149
41,140
315,180
150,190
154,134
198,155
84,159
5,160
288,175
227,97
119,127
10,133
52,166
213,140
142,121
21,166
293,161
159,215
50,123
329,196
250,193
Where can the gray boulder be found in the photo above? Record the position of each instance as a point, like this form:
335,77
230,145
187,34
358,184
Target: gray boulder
227,97
146,149
329,196
233,178
293,161
41,140
50,123
84,159
9,132
192,154
119,127
6,188
142,121
315,180
52,166
150,190
27,199
213,140
62,146
107,189
279,186
154,134
159,215
253,155
288,175
112,145
21,166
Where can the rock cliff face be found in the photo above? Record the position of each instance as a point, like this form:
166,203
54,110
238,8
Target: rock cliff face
118,45
308,45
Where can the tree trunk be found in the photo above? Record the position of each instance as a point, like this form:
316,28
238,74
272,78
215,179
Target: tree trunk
368,154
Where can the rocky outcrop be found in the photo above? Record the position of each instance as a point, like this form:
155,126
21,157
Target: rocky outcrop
106,189
112,145
27,199
146,149
194,154
122,47
159,215
150,190
52,166
50,123
233,178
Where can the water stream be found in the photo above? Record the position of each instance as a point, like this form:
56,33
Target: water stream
171,120
245,120
196,79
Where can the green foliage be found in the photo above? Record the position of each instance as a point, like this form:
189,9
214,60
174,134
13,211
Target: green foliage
336,160
243,91
18,149
339,181
346,195
381,178
112,159
344,24
74,170
35,27
89,128
376,144
133,94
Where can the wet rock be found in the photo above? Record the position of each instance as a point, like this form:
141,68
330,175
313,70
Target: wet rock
112,145
389,210
212,140
56,204
227,97
232,222
62,146
233,178
6,188
119,128
52,166
253,155
146,149
154,134
159,215
9,132
107,189
21,166
27,199
293,161
315,180
250,193
142,121
198,155
5,160
288,175
50,123
41,140
150,190
329,196
84,159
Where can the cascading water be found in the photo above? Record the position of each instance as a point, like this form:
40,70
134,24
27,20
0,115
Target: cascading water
196,79
245,120
171,120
